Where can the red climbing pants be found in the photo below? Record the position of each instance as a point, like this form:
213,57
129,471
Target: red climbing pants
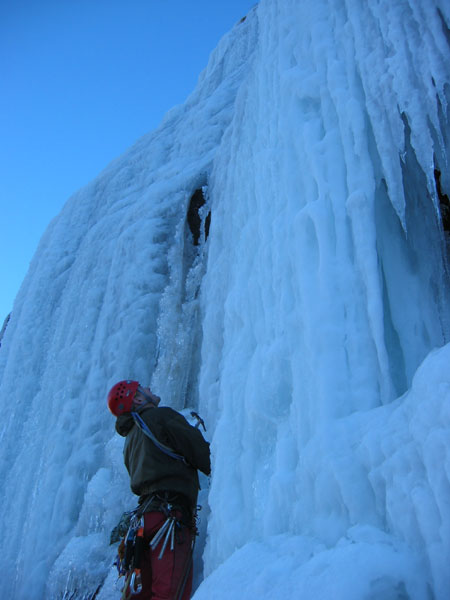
163,579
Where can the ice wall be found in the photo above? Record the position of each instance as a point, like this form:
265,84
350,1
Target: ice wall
297,329
325,289
103,295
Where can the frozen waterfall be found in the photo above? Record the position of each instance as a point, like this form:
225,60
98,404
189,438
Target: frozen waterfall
310,328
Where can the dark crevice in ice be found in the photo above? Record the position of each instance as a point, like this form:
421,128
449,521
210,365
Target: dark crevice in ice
194,217
444,202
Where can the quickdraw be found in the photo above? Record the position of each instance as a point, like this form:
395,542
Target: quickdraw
129,555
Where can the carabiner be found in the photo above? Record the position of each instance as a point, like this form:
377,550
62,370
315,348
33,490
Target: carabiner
136,575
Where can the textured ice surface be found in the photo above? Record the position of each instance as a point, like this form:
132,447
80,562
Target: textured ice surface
309,329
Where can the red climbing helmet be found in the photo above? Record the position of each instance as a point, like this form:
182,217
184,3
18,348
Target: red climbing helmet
121,396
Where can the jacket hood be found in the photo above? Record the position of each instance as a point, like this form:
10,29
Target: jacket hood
124,424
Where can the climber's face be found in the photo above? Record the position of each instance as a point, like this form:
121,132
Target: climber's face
144,395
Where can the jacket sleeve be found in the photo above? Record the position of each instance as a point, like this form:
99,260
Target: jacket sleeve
188,441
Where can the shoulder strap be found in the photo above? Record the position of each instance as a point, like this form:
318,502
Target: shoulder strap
146,430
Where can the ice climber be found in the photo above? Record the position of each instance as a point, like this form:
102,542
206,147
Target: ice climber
162,454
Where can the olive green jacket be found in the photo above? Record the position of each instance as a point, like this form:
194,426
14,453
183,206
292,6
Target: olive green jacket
152,470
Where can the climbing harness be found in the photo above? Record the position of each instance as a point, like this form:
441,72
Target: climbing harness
132,546
172,526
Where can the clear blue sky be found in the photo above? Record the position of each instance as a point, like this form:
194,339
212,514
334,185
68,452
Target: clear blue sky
80,82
